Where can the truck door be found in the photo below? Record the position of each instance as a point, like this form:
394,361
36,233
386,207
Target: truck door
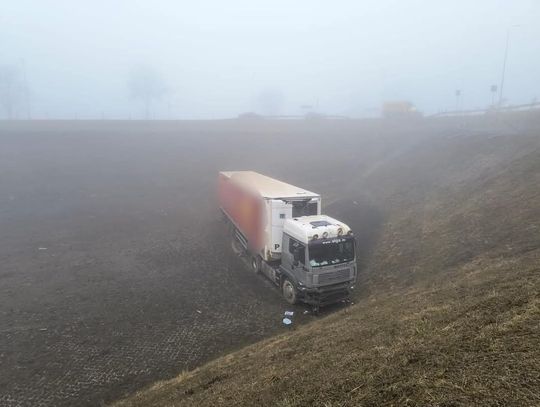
296,255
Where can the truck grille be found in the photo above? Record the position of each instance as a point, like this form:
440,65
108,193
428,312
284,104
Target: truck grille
333,276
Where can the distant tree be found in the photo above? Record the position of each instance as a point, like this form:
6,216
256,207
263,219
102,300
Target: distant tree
146,85
12,89
270,102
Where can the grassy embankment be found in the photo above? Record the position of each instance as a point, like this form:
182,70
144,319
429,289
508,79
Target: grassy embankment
448,311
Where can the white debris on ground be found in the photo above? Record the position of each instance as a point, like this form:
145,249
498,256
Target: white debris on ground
287,320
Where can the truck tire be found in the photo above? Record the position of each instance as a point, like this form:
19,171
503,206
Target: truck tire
289,292
237,249
256,264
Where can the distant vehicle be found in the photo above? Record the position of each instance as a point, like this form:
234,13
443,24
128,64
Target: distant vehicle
399,109
279,227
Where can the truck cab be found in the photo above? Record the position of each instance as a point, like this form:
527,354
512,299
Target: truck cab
318,260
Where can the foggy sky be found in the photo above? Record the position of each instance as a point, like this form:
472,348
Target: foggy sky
217,57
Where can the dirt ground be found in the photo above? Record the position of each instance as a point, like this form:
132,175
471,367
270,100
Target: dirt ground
115,270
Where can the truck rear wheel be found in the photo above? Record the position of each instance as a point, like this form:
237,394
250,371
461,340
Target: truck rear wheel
256,264
236,247
289,292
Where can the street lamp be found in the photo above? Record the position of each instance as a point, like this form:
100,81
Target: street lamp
504,62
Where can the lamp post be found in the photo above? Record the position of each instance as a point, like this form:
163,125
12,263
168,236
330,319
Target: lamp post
504,63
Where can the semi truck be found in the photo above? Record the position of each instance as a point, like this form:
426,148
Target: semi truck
279,228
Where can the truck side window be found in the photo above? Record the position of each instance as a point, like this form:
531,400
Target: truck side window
298,250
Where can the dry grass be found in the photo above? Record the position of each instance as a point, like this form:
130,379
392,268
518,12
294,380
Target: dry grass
467,341
449,312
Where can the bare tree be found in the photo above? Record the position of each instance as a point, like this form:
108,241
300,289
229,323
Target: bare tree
12,89
146,85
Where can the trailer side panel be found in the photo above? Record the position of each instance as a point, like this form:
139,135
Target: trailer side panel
245,209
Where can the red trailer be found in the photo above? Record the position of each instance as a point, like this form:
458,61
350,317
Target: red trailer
244,208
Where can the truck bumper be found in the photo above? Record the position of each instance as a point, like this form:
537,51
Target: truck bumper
326,295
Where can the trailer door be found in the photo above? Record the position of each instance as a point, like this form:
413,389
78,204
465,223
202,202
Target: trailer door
280,212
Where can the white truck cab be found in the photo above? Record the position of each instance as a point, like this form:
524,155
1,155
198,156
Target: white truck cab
319,257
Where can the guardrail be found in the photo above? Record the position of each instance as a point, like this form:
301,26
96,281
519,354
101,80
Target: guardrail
294,117
489,110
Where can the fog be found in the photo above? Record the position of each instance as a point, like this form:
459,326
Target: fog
212,59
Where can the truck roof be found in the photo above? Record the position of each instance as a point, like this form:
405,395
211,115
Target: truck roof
304,228
267,187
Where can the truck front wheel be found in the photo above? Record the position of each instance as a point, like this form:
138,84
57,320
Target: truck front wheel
289,292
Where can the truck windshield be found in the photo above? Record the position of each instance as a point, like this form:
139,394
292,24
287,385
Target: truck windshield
334,251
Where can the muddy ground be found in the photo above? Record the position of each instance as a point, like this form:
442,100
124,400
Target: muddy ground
115,268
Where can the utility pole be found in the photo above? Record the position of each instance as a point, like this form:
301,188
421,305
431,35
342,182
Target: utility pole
504,63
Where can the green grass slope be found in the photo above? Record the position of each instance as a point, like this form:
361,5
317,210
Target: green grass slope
448,311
